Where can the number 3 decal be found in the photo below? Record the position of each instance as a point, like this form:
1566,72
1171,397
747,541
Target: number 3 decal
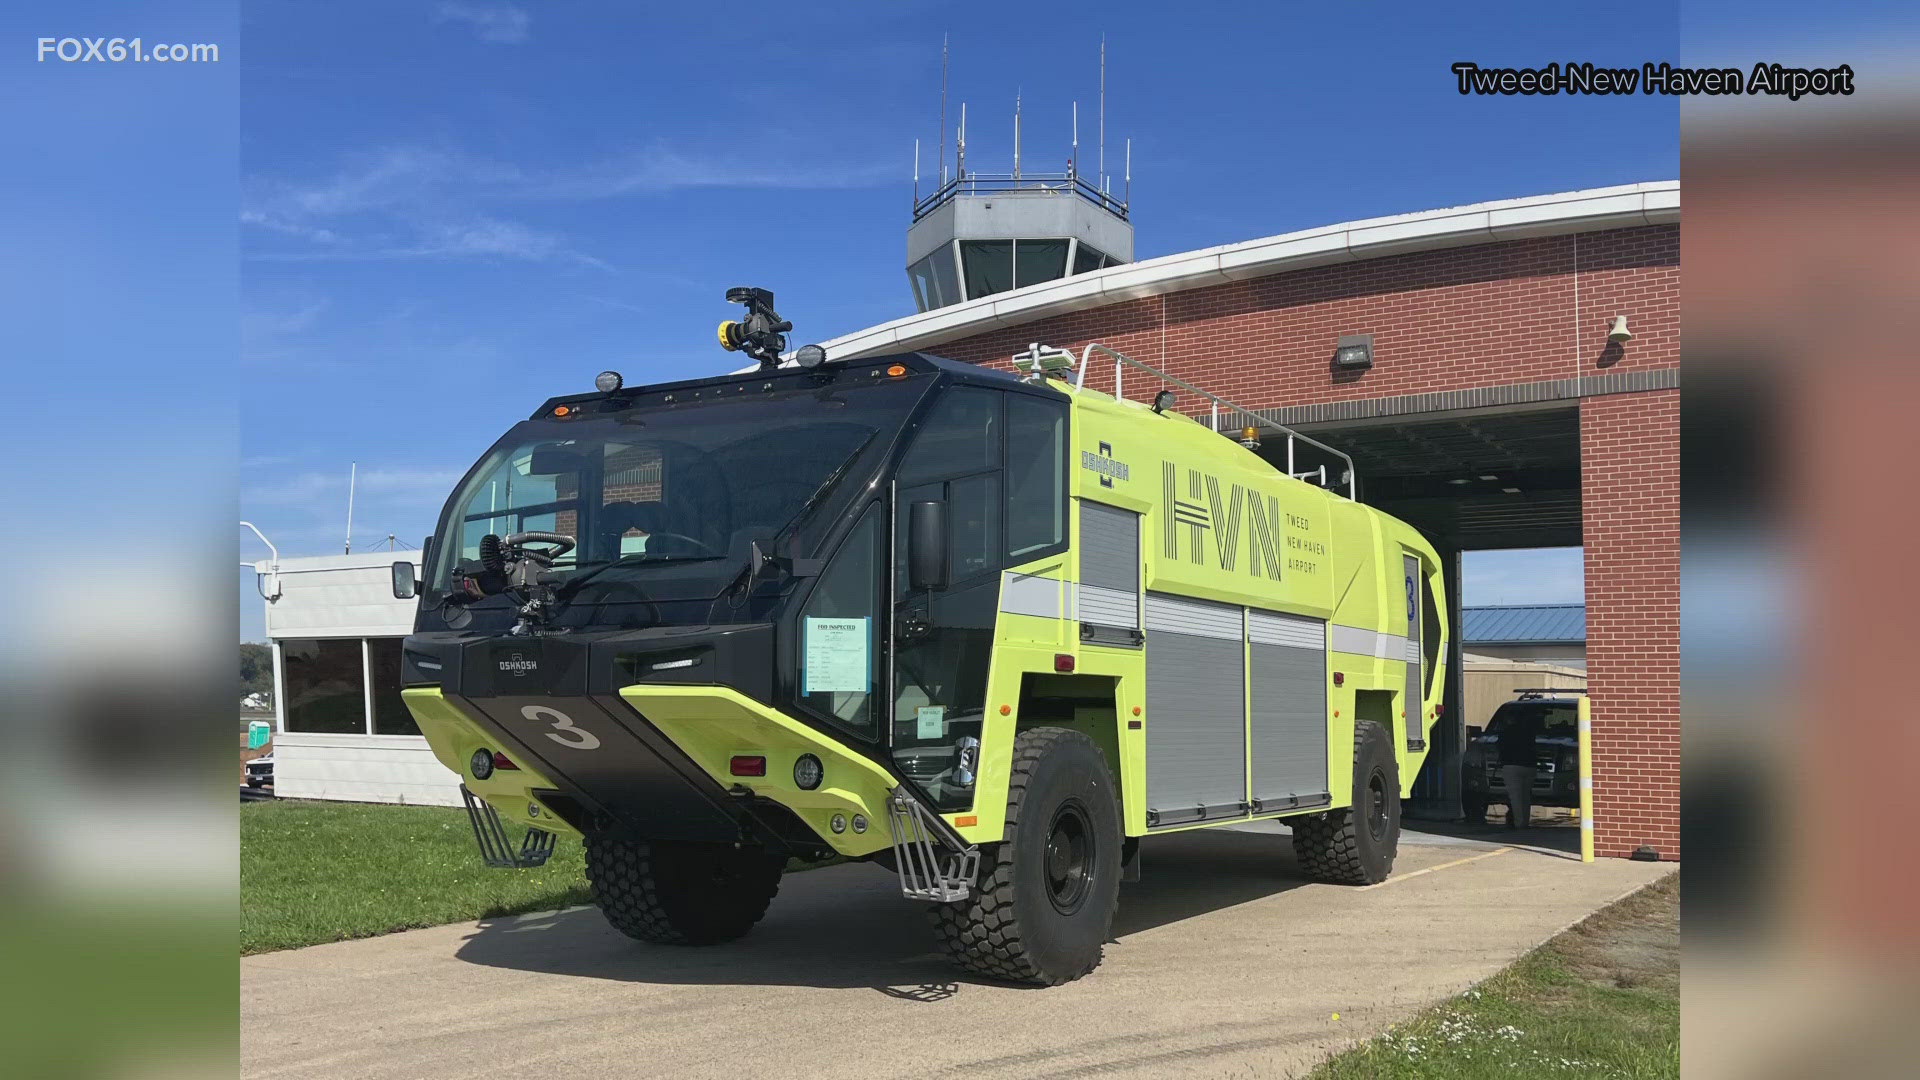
563,731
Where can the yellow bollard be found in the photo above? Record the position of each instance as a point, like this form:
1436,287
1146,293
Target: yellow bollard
1586,779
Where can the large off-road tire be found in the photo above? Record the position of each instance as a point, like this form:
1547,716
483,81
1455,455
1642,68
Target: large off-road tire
1355,845
680,894
1042,908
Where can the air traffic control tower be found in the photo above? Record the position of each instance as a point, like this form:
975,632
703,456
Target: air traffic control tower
983,233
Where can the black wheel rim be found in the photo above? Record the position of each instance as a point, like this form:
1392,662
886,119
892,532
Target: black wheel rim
1069,858
1377,805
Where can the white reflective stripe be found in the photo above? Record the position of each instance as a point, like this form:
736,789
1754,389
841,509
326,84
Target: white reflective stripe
1274,628
1413,652
1364,642
1586,724
1108,607
1586,824
1351,639
1197,618
1586,783
1026,594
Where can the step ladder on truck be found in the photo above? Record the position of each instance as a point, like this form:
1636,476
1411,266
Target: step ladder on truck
986,629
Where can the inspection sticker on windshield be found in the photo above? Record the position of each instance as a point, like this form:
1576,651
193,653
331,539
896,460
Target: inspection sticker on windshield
931,721
837,660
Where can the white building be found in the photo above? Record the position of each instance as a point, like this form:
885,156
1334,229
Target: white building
341,730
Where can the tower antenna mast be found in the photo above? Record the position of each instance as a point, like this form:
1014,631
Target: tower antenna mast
943,110
1103,112
353,477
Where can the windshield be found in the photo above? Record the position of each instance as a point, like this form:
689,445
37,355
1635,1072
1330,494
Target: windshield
1556,718
674,484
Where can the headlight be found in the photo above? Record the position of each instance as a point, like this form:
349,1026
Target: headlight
481,764
808,772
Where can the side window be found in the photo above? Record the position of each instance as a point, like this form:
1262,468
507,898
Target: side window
973,513
512,498
1036,486
838,629
961,436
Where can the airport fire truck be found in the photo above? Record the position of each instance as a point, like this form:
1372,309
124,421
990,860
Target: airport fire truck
987,629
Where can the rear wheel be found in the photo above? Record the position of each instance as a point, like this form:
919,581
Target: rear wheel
1355,845
1043,907
678,893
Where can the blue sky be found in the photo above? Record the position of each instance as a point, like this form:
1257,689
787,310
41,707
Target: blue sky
451,209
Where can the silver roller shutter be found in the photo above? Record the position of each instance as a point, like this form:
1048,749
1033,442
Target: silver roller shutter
1196,711
1108,595
1288,709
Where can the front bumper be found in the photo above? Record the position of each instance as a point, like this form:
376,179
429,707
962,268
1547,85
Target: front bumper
658,766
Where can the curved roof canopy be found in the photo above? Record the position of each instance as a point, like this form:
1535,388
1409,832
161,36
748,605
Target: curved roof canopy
1626,206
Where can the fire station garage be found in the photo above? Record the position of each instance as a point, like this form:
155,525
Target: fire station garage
1504,375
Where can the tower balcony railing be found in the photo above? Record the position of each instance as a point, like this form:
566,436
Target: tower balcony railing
1068,184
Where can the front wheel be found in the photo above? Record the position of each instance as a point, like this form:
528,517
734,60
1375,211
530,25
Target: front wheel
1043,907
678,893
1355,845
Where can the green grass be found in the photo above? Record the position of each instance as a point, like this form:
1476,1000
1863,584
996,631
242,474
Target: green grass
1601,1000
312,872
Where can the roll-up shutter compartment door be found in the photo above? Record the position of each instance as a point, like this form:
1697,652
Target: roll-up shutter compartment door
1288,709
1109,589
1196,711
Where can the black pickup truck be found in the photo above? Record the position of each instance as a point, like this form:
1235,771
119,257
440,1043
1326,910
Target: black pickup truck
1556,778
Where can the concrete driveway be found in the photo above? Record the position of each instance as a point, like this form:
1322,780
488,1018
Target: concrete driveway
1226,963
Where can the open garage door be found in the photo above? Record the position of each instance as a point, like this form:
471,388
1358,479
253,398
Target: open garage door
1471,480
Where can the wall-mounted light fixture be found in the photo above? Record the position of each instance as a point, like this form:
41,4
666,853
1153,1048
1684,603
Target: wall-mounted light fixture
1353,352
1617,330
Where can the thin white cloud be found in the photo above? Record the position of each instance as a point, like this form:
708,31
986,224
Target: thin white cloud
310,487
660,169
410,202
499,24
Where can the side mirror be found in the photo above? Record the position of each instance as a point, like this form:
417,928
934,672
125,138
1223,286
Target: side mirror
927,546
405,585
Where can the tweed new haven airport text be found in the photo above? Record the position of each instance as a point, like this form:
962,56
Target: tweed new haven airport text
1650,78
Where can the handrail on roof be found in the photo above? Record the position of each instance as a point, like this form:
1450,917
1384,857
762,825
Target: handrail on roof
1120,359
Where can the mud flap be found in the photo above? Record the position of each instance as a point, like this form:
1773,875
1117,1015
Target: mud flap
495,848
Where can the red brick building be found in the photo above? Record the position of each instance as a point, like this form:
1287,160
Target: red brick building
1496,412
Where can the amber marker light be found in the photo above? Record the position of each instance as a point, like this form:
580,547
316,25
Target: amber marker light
897,370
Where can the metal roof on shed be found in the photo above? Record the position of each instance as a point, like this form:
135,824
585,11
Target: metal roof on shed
1509,624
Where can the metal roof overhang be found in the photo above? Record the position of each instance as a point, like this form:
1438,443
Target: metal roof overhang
1625,206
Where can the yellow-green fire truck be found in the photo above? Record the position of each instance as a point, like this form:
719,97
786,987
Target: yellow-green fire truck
988,630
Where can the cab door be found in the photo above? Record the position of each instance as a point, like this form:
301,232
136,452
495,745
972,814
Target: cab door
943,637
